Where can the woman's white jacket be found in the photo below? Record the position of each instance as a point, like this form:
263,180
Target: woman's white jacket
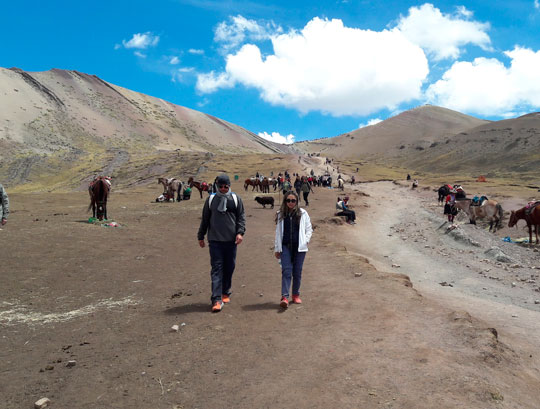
303,237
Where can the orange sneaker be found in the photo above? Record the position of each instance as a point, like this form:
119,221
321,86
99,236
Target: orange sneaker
225,298
284,302
296,299
217,306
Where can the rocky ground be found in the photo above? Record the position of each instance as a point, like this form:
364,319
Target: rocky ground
366,336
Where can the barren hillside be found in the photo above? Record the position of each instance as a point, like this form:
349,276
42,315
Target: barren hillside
57,120
416,128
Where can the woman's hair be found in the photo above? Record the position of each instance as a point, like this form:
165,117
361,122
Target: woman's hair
284,210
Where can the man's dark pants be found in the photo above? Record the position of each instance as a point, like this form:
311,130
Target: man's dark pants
223,261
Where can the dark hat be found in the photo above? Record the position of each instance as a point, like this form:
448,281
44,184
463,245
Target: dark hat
223,179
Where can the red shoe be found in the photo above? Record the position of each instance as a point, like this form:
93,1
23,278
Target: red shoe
217,306
296,299
225,298
284,302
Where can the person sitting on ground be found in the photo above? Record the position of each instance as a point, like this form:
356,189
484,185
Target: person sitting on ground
342,207
187,193
414,184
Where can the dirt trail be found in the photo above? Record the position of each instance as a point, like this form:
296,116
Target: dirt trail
107,298
406,228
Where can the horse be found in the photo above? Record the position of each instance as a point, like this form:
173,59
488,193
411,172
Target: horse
531,217
341,184
490,209
443,191
255,182
171,185
99,191
265,186
201,186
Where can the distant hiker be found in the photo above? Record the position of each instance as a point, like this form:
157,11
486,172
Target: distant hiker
286,185
297,185
305,188
353,180
4,205
414,184
342,207
293,233
224,219
408,176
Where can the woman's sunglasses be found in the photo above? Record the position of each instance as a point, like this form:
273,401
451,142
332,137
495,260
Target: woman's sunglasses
290,200
223,186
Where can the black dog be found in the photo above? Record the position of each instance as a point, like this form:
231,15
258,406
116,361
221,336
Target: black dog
265,200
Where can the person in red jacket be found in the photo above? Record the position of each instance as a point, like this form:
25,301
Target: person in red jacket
450,205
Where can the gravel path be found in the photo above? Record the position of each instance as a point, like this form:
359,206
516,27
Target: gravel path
463,267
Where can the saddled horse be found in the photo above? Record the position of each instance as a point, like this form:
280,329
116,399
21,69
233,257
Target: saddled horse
201,186
170,186
99,190
255,182
531,217
490,209
443,191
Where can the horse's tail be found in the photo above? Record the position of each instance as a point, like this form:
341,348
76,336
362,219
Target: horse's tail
501,214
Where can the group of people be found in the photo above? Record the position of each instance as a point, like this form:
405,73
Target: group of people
223,223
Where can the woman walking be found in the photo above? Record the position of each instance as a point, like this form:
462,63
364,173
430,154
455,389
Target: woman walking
293,232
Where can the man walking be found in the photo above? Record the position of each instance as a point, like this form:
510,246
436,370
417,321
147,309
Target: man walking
224,219
4,206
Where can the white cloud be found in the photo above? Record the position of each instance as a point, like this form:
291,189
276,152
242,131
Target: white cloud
373,121
487,87
442,35
330,68
537,4
277,137
195,51
207,83
141,41
239,29
174,60
139,54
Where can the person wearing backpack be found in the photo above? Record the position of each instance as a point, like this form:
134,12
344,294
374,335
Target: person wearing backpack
224,219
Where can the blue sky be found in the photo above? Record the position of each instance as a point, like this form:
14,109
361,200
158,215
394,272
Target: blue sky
292,70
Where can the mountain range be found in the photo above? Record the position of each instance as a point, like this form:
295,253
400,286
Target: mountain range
68,125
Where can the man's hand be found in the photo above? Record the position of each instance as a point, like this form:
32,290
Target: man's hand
239,239
4,221
201,243
277,254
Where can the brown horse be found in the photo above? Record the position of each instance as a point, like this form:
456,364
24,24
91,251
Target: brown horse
490,209
255,182
170,186
531,217
99,191
201,186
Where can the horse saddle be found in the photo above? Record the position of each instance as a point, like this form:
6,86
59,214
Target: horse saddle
530,207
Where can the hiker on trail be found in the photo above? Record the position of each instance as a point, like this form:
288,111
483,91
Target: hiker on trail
450,205
286,185
224,219
4,205
342,207
306,188
297,185
293,233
